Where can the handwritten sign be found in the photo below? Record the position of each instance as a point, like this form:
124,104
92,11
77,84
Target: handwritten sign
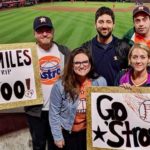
19,76
118,118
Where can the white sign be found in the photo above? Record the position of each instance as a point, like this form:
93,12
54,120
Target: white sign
17,75
120,120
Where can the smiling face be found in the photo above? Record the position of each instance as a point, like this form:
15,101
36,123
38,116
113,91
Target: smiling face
81,65
104,26
142,23
44,36
139,60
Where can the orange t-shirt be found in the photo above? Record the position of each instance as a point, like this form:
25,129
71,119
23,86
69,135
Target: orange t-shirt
140,39
80,118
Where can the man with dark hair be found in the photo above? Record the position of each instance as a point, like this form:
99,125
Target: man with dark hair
108,52
141,31
51,60
104,10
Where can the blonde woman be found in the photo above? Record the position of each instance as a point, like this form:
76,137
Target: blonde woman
138,74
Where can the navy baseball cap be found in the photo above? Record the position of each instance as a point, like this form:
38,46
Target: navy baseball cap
42,21
141,8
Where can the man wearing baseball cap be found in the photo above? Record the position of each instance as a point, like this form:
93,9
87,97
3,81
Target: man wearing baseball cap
141,31
52,57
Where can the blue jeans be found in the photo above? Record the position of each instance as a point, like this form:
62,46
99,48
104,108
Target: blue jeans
40,132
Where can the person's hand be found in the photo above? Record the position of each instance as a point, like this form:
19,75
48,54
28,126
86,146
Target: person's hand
60,144
126,86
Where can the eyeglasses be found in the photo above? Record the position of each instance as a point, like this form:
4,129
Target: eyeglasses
78,63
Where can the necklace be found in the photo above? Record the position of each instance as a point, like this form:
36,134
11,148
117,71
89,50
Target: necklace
141,82
87,83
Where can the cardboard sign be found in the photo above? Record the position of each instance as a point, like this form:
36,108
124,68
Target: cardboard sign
118,118
19,76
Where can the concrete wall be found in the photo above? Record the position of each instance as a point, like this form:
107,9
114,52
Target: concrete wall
19,140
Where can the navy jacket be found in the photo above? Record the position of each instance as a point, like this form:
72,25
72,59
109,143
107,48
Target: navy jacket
108,59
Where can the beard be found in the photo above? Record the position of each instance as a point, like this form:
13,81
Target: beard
104,36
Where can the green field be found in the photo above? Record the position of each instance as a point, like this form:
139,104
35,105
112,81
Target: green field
71,28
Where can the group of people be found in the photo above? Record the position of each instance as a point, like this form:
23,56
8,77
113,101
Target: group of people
61,120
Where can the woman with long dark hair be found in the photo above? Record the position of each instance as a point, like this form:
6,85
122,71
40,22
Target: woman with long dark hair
67,113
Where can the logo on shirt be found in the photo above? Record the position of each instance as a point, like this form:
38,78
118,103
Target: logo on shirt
49,69
81,108
115,58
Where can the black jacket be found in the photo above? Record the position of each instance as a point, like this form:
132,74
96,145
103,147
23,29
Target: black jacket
121,49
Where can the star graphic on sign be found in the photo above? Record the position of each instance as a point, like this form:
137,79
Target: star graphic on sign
43,19
99,134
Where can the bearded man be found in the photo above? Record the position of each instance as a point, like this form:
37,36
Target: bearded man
109,53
